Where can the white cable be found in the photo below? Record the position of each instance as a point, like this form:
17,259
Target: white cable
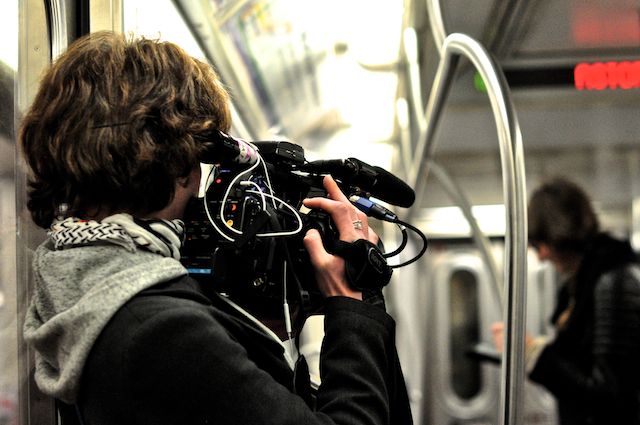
266,174
263,196
293,210
206,209
228,191
259,191
285,306
285,353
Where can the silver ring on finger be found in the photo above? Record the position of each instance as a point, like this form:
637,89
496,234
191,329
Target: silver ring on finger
357,224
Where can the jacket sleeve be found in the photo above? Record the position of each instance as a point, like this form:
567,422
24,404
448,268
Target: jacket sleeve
361,383
615,347
185,368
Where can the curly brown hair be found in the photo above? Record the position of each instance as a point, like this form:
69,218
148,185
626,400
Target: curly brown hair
116,121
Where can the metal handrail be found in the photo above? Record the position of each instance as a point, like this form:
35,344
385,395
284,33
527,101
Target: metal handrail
410,45
436,22
513,179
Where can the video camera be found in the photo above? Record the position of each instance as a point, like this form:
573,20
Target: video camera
244,238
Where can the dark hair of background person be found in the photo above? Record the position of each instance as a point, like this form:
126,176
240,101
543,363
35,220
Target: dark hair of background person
560,214
116,121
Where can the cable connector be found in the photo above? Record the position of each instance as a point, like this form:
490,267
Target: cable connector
372,209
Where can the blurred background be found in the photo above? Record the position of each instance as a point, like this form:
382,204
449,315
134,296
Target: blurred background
355,78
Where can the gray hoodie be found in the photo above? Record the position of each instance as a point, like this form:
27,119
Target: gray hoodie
77,291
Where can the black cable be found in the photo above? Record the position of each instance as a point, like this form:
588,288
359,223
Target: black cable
403,244
424,244
375,210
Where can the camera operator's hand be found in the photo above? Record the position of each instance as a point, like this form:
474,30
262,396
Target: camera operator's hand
351,224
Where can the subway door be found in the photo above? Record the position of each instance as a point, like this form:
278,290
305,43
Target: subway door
463,388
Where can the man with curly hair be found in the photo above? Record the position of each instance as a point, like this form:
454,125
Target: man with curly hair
121,332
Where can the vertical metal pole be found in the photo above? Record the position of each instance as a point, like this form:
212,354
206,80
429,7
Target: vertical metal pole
34,56
513,180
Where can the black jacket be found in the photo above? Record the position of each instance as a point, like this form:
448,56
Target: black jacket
593,365
174,356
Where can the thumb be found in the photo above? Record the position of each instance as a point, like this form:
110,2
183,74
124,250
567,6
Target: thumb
313,244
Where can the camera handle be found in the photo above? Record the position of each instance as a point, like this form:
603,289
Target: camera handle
365,265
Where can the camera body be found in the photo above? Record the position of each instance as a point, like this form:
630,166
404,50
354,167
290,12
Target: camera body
256,252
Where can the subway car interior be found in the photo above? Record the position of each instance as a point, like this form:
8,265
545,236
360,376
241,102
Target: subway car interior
472,104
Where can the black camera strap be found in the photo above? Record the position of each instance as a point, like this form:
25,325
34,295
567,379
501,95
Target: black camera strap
365,266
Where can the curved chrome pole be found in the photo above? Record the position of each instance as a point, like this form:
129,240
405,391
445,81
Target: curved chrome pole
410,42
433,111
513,180
454,191
436,22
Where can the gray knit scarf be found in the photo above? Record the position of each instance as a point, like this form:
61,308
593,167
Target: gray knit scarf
83,274
162,237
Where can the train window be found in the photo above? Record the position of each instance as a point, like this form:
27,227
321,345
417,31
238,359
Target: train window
159,19
464,333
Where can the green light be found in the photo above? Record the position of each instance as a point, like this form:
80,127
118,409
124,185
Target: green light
478,83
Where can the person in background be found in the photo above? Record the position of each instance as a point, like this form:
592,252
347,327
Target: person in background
592,364
122,334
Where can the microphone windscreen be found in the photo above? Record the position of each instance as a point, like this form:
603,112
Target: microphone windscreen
391,189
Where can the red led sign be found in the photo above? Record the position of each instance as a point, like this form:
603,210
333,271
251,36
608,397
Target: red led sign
607,75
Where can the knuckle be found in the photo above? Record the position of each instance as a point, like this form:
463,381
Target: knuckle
342,208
